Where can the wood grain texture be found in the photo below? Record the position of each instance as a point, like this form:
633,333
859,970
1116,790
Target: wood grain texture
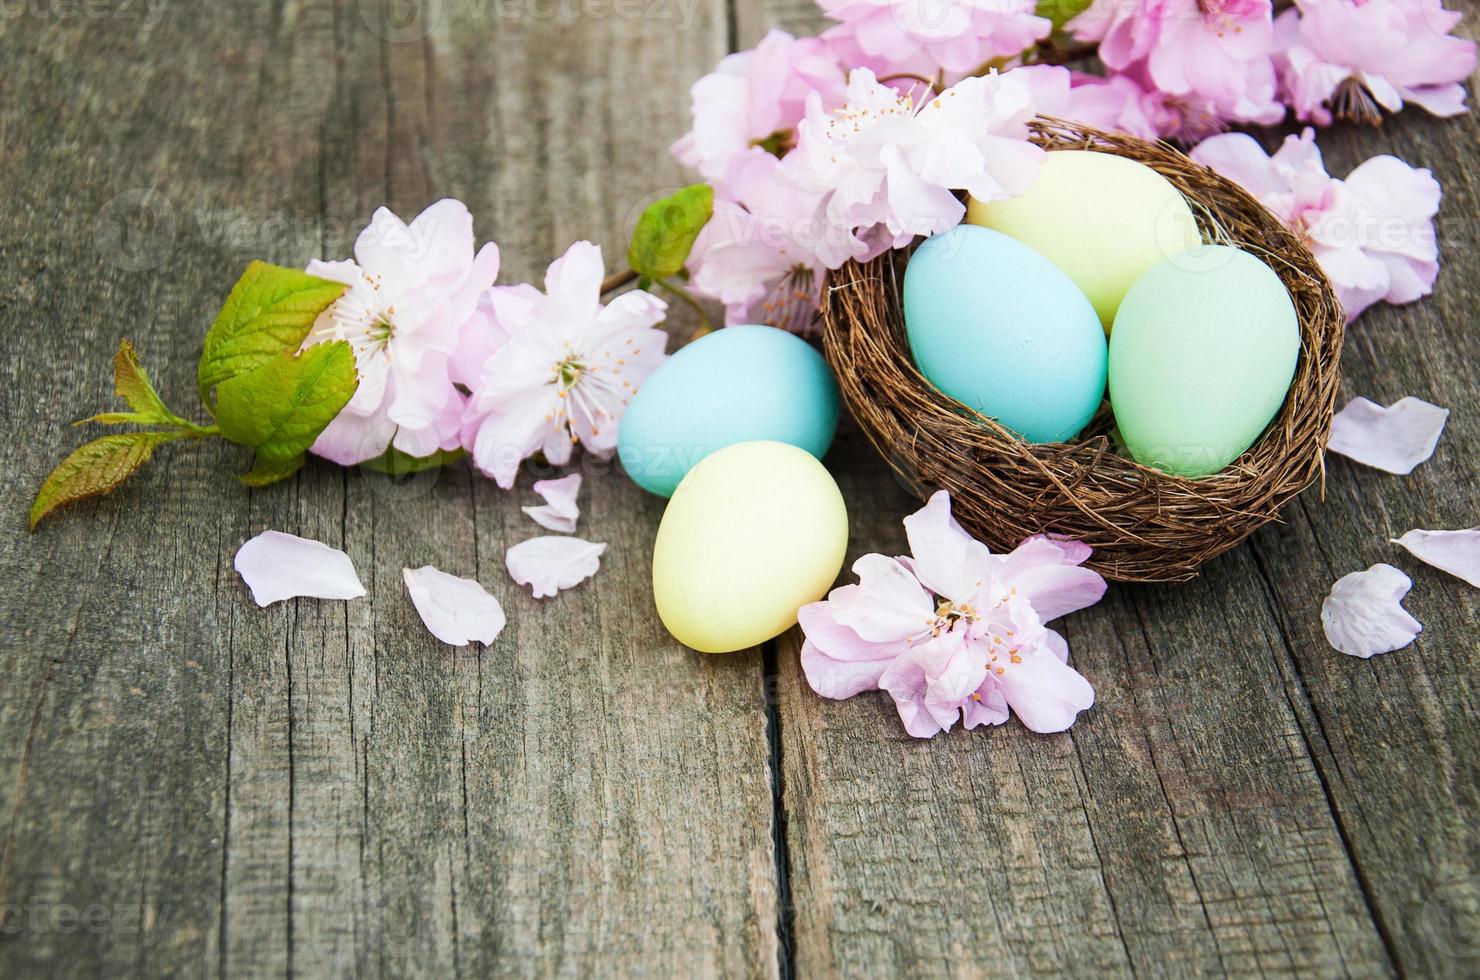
322,788
190,785
1242,800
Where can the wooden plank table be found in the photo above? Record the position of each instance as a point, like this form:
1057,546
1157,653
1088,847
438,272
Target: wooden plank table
190,785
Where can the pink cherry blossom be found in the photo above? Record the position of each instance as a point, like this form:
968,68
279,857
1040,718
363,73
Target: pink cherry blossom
764,254
480,337
1373,232
1185,118
412,290
889,170
923,36
1360,57
753,95
567,372
1211,59
1112,104
737,263
954,632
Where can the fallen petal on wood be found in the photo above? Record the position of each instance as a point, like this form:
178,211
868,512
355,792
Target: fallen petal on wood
1364,615
559,511
552,563
456,610
1455,552
1395,439
278,566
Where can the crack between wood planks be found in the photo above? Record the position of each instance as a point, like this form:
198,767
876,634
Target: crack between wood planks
1094,843
292,778
732,26
1151,752
785,913
221,952
1364,883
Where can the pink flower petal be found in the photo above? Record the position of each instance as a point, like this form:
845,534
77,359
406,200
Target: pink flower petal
988,707
947,560
840,679
820,624
456,610
1455,552
1046,693
552,563
905,681
953,672
1364,616
567,370
889,605
953,632
1046,572
349,438
559,511
1240,158
1395,439
279,566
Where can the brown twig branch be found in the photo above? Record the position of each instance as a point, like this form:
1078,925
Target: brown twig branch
617,280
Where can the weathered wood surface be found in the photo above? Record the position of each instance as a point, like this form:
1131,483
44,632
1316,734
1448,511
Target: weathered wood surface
1242,800
191,785
323,788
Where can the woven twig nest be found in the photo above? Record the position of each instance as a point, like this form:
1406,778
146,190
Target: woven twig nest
1144,525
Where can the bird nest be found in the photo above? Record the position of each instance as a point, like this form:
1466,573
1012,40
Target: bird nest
1144,525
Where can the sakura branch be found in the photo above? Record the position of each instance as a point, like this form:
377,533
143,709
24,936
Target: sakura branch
814,151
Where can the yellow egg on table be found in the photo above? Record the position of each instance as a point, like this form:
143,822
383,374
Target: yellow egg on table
1102,219
754,532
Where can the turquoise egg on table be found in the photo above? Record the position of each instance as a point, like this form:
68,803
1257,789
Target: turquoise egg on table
1201,357
738,384
1001,329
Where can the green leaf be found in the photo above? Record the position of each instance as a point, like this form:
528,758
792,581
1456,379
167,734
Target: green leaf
782,140
393,462
1060,12
119,418
280,407
269,312
96,468
132,385
268,469
666,231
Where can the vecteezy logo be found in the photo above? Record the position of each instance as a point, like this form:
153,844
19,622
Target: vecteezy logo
134,231
401,21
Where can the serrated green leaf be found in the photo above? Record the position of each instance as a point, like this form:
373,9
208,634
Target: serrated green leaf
267,469
96,468
393,462
118,418
280,407
667,229
132,385
269,312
